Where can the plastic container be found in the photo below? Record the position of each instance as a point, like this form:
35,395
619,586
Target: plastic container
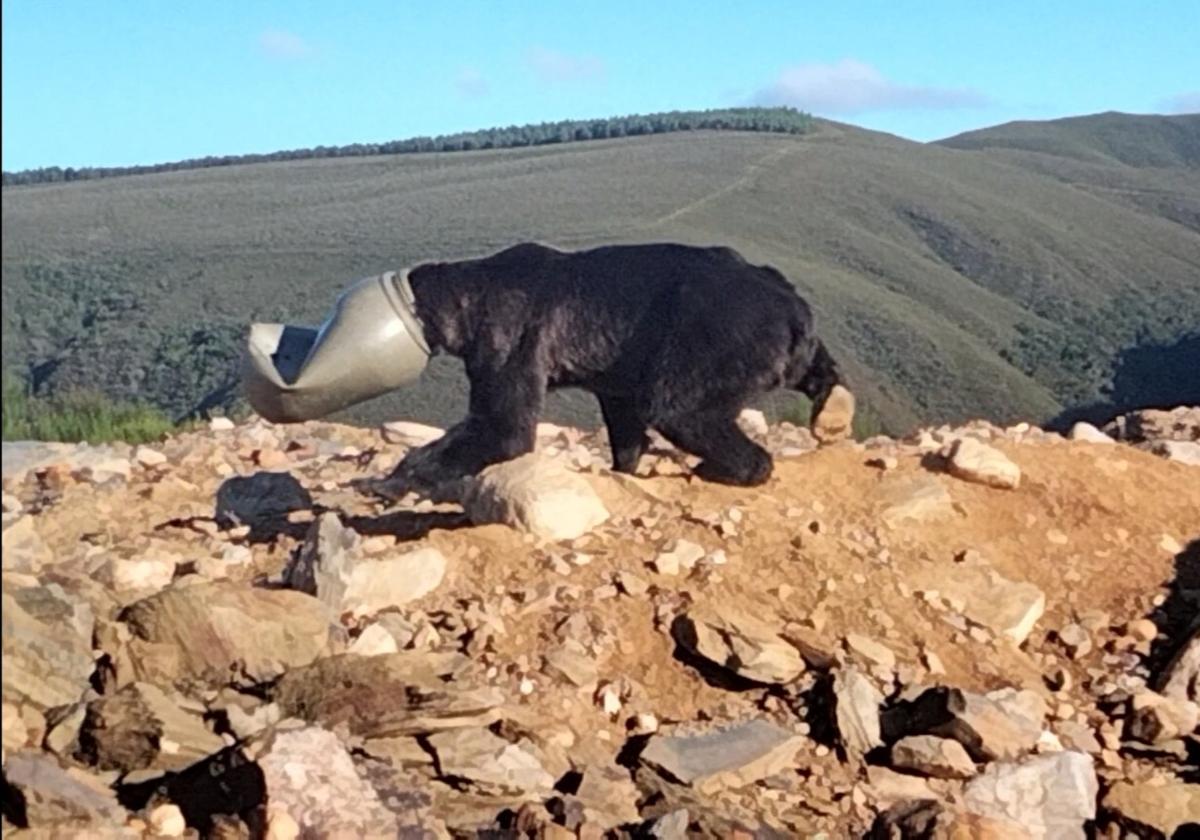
371,343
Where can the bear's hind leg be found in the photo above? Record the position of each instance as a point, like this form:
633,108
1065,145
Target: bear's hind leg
626,432
728,456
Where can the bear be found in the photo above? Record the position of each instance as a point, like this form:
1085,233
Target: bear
671,337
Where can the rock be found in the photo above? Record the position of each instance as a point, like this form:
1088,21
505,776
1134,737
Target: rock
220,424
489,763
1076,640
408,433
331,566
148,457
1184,452
631,585
262,501
753,422
375,640
913,498
406,693
926,818
683,554
63,726
723,758
167,821
1002,724
140,727
886,787
1007,608
608,794
100,466
1179,423
836,418
221,633
976,462
1142,630
1180,679
1155,719
536,494
670,826
1088,433
871,650
65,802
145,574
1079,737
309,774
940,758
738,643
281,825
46,646
16,735
24,550
572,662
1050,795
857,703
1161,806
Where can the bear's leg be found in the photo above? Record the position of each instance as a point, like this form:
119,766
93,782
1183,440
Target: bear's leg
626,431
501,425
728,456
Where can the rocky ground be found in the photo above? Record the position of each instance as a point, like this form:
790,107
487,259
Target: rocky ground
971,633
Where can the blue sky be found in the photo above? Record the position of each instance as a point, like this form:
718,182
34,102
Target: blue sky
134,81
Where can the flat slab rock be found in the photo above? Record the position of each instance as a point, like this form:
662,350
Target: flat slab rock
1002,724
222,633
724,758
489,763
1163,806
331,567
1008,608
47,646
73,801
915,498
388,695
738,643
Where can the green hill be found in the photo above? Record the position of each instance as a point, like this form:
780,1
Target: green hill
1134,140
975,276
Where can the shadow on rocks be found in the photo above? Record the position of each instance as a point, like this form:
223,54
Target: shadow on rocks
226,784
684,634
1178,619
262,501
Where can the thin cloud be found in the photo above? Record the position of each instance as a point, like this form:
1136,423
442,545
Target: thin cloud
554,66
471,84
854,87
1184,103
279,43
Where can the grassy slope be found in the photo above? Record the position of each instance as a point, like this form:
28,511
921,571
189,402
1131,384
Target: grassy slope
933,269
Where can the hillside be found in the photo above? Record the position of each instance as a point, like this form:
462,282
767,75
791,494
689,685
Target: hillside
221,635
953,282
1142,141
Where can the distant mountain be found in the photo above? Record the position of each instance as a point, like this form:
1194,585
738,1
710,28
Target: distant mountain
1005,272
1111,137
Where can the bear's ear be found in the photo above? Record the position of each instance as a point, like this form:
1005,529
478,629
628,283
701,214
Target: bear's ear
834,419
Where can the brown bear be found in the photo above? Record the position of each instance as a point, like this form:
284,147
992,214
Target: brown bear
671,337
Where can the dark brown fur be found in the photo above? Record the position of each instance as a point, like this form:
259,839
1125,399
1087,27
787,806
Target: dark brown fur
670,337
